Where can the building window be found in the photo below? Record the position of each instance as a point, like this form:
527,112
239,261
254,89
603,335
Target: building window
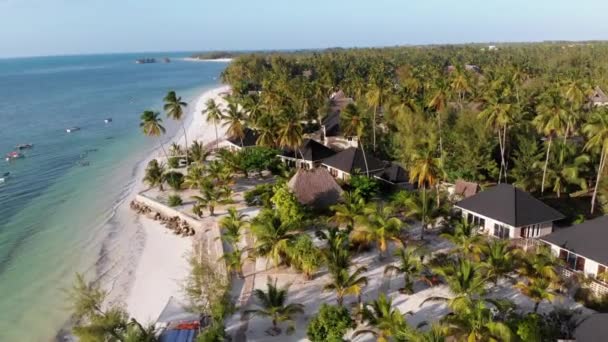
571,260
501,231
601,269
580,264
333,172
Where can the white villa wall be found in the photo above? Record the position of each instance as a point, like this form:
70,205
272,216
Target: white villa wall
514,232
300,163
590,265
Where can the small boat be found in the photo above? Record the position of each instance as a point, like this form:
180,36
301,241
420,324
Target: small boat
108,120
24,146
72,129
14,155
4,177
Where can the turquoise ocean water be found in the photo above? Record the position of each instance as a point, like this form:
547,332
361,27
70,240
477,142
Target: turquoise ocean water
56,208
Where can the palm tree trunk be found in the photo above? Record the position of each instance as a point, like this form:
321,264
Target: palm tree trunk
600,170
374,126
217,139
504,151
364,157
423,218
502,159
160,141
542,187
186,142
536,304
440,139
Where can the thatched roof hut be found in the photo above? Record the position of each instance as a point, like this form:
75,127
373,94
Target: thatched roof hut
315,188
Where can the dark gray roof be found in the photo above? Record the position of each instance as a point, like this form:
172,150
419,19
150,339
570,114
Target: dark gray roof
394,174
250,139
592,329
587,239
508,204
311,150
351,160
332,124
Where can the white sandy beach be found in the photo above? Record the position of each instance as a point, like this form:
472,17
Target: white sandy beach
162,265
222,60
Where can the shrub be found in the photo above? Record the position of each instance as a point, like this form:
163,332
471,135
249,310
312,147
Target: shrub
173,162
329,324
174,200
366,187
260,195
174,179
590,300
216,332
286,204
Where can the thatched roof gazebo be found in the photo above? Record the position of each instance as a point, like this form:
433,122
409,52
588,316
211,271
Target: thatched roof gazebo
315,188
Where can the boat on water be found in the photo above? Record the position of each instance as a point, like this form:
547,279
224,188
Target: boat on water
108,120
14,155
24,146
145,60
72,129
4,177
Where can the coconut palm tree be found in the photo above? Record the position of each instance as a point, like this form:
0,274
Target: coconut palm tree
174,107
214,116
290,132
195,178
477,323
409,263
466,238
550,121
175,150
345,283
151,125
425,170
437,333
234,261
538,290
273,304
566,168
540,264
336,254
596,130
498,115
378,224
155,174
499,259
385,320
198,153
346,213
232,226
352,124
211,196
422,206
273,238
375,98
234,120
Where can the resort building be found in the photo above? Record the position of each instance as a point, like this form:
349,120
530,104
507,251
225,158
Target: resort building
331,134
395,175
236,144
352,161
307,156
598,98
507,212
592,328
582,246
315,188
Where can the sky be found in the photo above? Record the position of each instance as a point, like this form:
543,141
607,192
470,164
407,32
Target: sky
65,27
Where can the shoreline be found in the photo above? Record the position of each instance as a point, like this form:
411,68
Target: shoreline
160,264
216,60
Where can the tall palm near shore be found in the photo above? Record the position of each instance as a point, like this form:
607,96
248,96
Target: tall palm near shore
497,115
234,120
596,130
232,226
273,304
378,224
174,107
155,174
151,125
273,237
550,121
214,116
409,263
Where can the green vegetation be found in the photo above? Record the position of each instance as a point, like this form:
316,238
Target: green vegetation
174,179
330,324
174,200
260,195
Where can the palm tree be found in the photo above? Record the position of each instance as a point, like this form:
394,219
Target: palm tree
596,130
498,116
409,263
214,116
352,123
346,213
380,225
466,238
273,304
198,153
384,319
566,168
465,280
345,283
290,132
538,290
211,196
151,125
234,121
477,323
336,254
273,238
425,169
195,177
438,103
234,261
422,206
499,259
540,265
155,174
437,333
174,107
375,99
549,121
232,226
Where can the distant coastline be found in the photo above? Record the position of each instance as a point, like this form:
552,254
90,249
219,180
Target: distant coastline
220,60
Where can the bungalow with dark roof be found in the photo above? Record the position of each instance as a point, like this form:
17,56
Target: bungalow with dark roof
507,212
330,126
394,174
582,246
235,143
352,161
307,156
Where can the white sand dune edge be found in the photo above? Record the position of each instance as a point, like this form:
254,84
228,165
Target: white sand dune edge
163,264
